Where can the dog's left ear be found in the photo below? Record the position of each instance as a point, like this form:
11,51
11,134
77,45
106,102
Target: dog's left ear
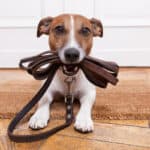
44,26
97,27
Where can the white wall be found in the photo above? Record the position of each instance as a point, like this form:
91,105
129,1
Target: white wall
126,28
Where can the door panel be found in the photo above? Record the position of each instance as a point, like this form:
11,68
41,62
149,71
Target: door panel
126,28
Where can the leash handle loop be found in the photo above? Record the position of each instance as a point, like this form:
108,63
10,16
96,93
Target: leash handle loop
29,106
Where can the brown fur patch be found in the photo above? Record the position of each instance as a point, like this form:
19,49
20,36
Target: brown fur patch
58,41
84,41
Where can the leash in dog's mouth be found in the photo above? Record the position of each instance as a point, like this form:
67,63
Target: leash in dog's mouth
70,70
44,66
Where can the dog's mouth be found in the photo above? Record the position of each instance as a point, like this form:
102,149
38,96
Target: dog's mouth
70,69
71,59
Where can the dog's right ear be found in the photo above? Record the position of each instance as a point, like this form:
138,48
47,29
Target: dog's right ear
97,27
44,26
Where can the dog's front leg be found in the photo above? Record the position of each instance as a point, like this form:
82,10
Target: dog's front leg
41,116
84,121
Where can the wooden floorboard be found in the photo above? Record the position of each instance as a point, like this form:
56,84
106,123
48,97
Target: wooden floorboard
59,142
139,123
108,135
121,134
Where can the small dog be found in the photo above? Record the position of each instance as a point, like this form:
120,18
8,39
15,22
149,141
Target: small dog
71,36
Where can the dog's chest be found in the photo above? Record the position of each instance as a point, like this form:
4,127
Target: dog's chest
77,83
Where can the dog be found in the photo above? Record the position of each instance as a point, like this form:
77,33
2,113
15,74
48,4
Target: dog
71,35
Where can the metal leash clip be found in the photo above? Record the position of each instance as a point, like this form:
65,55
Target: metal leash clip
69,81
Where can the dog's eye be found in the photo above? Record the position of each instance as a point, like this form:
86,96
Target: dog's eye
59,29
85,31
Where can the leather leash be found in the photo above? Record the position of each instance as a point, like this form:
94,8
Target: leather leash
44,66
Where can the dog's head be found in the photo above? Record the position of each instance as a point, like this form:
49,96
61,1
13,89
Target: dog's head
70,35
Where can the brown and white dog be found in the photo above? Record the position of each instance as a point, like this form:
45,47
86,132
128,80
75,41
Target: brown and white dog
72,37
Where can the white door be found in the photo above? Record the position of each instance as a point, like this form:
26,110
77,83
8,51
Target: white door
126,28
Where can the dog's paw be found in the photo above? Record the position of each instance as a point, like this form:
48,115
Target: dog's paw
84,124
39,120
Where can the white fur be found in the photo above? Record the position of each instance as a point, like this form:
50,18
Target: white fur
72,40
82,89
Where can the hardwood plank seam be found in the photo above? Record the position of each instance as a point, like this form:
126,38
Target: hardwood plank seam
60,134
123,125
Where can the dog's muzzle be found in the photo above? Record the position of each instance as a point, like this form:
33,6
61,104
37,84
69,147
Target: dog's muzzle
72,58
72,55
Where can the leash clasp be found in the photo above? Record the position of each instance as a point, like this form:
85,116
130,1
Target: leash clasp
69,95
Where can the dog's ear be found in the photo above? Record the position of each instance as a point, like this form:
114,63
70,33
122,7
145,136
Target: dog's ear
44,26
97,27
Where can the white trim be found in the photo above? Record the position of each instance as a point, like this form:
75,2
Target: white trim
31,22
107,22
126,22
124,57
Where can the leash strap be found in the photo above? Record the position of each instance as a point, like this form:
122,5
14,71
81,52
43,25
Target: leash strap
44,66
29,106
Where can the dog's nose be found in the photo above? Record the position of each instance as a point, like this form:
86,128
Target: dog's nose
72,54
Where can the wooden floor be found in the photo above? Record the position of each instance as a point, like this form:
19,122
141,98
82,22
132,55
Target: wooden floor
121,114
108,135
